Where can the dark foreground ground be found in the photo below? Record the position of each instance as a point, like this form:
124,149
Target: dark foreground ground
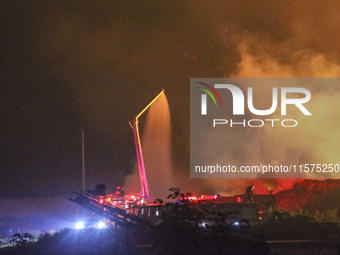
281,237
297,247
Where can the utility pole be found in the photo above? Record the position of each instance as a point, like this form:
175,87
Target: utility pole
83,156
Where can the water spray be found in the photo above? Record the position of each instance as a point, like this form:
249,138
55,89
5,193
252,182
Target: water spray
134,125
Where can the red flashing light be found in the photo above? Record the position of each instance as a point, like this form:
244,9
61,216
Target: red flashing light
260,212
238,199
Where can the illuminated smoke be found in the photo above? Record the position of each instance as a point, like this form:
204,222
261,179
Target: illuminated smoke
315,142
272,39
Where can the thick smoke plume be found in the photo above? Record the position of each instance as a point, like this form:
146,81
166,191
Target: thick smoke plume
314,142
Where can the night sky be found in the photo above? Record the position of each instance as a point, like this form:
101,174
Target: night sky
67,65
72,64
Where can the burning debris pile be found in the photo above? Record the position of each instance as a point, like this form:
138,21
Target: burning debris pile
311,196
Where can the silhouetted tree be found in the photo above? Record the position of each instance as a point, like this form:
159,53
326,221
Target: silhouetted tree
20,240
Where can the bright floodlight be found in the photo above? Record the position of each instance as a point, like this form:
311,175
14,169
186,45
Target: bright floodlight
79,225
236,223
101,225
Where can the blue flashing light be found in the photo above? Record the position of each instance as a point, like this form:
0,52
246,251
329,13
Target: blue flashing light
79,225
101,225
236,223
